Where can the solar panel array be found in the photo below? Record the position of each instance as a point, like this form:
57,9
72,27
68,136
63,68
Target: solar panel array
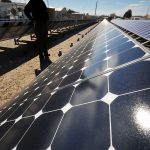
14,29
18,28
139,27
95,97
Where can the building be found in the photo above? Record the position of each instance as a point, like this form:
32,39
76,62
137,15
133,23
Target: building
66,14
61,13
15,11
148,16
138,18
12,11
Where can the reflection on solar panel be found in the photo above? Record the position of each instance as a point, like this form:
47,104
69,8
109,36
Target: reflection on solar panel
95,97
138,27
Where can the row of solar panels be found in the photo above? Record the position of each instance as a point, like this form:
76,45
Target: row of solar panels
138,27
17,29
92,98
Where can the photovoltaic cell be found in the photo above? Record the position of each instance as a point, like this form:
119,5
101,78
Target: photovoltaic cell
131,78
138,27
90,90
130,131
81,123
37,105
59,99
125,57
48,123
15,133
5,127
20,110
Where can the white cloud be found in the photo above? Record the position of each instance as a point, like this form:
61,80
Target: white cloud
135,5
142,1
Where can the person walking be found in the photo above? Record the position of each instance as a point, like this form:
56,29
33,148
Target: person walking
36,11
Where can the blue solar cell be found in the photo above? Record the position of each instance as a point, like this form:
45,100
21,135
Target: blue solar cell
125,57
135,26
97,68
59,99
37,105
131,78
87,128
15,133
130,121
90,90
42,131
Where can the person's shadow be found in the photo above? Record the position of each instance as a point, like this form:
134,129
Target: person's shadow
44,63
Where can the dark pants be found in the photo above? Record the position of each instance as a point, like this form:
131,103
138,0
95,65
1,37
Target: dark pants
41,32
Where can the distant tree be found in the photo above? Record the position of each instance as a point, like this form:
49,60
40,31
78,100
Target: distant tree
128,14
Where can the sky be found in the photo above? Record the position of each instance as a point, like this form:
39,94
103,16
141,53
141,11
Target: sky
138,7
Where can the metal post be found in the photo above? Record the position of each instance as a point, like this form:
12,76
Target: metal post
96,7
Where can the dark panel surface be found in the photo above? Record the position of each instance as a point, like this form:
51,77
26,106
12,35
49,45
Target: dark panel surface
5,127
71,78
37,105
8,113
90,90
131,78
113,34
130,121
117,41
59,99
97,56
94,69
51,86
120,48
20,110
11,139
37,91
125,57
84,128
76,68
42,131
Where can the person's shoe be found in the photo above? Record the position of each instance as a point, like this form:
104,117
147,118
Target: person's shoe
46,54
41,56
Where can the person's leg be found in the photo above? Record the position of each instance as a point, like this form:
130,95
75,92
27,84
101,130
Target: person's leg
45,39
38,33
41,31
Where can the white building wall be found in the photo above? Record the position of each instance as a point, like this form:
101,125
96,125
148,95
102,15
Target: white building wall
10,11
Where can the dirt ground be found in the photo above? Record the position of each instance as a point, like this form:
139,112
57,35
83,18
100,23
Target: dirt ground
18,70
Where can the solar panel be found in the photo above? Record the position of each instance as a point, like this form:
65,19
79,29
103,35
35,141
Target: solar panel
92,98
13,29
18,28
138,27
